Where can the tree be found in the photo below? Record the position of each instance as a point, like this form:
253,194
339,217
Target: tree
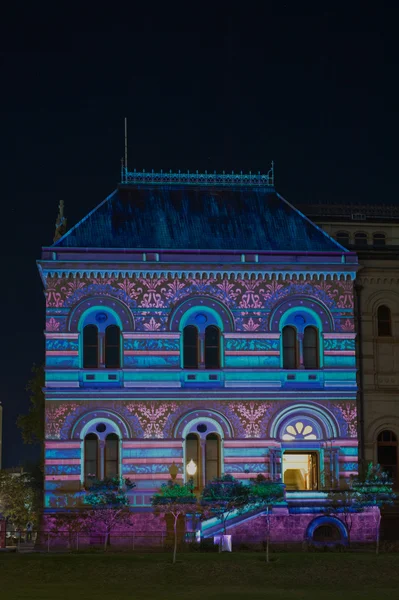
345,503
264,495
32,424
110,503
18,498
176,500
70,523
375,490
222,497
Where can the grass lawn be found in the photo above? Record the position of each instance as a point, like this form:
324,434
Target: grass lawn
206,576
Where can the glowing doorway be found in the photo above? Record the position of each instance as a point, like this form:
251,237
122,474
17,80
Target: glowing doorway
300,471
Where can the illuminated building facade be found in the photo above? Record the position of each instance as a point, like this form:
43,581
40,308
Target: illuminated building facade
200,317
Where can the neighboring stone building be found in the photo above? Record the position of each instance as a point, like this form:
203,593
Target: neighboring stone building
373,233
201,317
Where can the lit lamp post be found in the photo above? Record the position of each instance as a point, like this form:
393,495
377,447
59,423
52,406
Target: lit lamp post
191,469
173,471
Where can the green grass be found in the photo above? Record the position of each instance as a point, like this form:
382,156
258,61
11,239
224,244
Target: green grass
310,576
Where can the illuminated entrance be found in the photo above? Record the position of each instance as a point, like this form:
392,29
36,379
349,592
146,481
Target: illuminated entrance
300,471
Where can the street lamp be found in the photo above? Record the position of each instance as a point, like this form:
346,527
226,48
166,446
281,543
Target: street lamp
191,469
173,471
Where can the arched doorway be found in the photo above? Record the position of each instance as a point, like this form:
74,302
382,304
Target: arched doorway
327,533
387,453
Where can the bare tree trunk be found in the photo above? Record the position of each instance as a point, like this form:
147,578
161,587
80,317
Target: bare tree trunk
175,544
377,533
105,541
267,533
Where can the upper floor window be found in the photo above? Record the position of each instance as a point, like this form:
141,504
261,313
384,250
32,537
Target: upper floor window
101,343
343,238
112,347
310,348
212,347
360,239
384,325
379,239
190,347
290,348
90,347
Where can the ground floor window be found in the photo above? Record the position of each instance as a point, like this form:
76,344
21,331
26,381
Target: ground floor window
204,450
387,453
300,471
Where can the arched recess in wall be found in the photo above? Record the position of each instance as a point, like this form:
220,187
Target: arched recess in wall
201,304
317,423
326,521
117,307
222,424
84,422
318,312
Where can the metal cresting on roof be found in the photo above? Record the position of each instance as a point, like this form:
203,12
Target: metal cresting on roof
196,178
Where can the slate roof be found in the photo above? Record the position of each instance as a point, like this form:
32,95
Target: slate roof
197,218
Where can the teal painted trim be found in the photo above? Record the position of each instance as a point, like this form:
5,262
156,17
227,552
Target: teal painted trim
252,362
152,452
62,453
246,452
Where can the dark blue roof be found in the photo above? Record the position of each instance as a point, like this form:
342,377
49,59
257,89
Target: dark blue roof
197,218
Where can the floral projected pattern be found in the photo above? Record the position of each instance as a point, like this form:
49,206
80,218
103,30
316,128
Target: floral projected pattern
151,299
298,432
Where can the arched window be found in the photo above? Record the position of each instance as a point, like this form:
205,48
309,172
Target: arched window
290,348
387,453
212,463
193,453
343,238
361,239
90,347
112,347
91,457
190,347
379,239
384,321
311,348
212,347
111,457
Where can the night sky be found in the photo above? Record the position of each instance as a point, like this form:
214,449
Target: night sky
313,88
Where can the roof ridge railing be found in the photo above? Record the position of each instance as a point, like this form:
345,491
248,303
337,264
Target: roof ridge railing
196,178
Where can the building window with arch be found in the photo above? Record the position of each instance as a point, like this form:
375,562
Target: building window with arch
361,239
190,347
290,348
384,322
203,446
91,470
342,238
111,455
379,239
101,343
311,348
101,450
212,347
202,339
387,453
90,347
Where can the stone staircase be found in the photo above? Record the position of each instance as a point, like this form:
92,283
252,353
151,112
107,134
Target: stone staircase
26,547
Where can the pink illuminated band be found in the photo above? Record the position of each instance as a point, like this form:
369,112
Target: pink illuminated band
149,476
348,473
62,461
252,353
251,444
248,475
150,334
62,444
62,352
149,461
245,459
62,336
151,352
62,477
339,336
144,444
253,336
352,459
341,443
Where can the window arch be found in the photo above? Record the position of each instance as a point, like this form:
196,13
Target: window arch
101,338
90,347
290,347
212,347
379,239
342,238
112,347
190,347
91,462
111,455
387,453
311,348
361,238
384,322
